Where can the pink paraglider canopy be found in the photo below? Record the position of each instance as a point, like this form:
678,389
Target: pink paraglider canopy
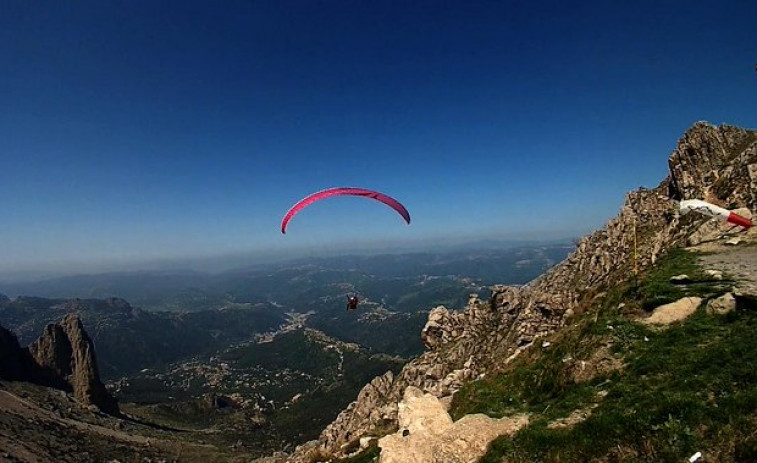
308,200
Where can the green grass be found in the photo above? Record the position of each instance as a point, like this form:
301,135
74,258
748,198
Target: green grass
656,288
692,387
687,389
541,382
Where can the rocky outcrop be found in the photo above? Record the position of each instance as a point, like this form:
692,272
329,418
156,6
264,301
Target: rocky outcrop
444,325
722,305
427,434
63,357
52,355
65,353
718,164
13,362
674,312
369,412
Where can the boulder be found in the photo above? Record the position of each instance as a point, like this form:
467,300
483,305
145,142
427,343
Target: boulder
428,435
673,312
722,305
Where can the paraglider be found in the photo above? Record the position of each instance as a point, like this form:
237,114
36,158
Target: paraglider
308,200
352,302
712,210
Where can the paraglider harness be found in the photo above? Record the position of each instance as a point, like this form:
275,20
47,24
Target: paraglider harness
352,302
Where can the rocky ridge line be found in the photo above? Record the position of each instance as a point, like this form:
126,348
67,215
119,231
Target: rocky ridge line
718,164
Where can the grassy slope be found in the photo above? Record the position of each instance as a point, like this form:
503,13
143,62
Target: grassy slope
692,387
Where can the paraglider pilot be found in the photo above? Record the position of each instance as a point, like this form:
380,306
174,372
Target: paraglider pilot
352,302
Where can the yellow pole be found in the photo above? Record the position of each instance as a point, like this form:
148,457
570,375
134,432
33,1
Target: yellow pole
635,250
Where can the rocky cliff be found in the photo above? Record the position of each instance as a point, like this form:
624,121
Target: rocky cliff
718,164
63,357
13,361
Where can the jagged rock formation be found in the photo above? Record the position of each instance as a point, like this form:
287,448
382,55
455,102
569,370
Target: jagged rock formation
63,357
65,351
717,164
52,352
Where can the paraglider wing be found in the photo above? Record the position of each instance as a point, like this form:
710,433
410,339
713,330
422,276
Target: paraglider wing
308,200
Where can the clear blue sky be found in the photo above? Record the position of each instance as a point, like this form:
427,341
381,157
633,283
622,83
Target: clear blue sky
144,129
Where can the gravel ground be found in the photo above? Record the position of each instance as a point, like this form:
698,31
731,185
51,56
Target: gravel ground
739,261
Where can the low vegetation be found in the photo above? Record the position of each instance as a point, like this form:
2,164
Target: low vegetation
644,394
390,333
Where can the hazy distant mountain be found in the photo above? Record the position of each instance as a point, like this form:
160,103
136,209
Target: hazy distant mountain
301,281
193,313
128,339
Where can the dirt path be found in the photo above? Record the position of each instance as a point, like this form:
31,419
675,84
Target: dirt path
10,403
737,261
31,433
